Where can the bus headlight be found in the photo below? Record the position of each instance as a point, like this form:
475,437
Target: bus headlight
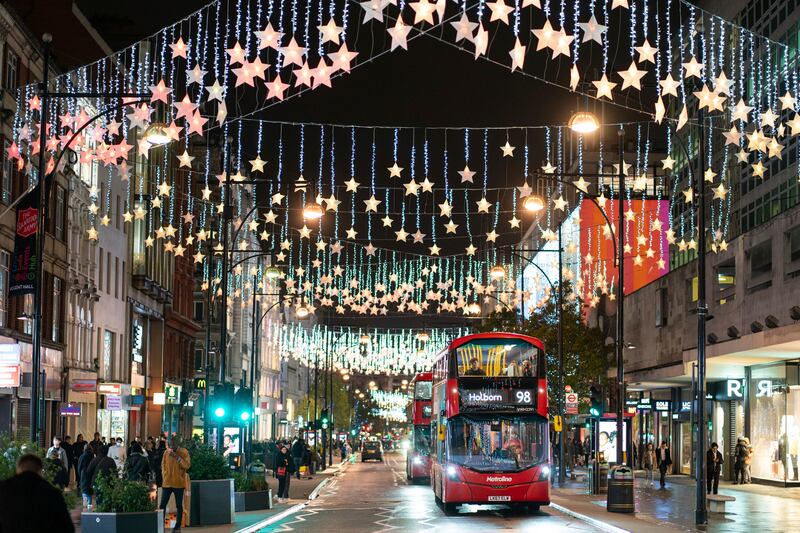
544,473
452,472
405,444
417,460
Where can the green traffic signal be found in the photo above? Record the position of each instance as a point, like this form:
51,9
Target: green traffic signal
219,412
245,416
353,432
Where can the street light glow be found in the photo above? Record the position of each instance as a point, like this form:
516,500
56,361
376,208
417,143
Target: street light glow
498,272
302,312
156,134
583,122
533,203
273,272
312,211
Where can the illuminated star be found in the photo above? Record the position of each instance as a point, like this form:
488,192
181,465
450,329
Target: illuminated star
669,86
411,188
514,222
372,204
508,150
471,249
387,221
491,236
646,52
399,34
688,195
483,205
759,169
445,209
517,59
352,185
423,11
179,48
268,38
91,233
787,101
720,192
257,164
330,32
592,31
395,170
451,226
464,28
185,159
604,87
741,111
402,235
418,236
466,174
632,76
693,68
427,185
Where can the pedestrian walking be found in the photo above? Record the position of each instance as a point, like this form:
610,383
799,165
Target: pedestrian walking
84,479
587,450
664,461
284,468
96,443
298,452
54,465
742,456
77,451
714,462
137,466
174,465
60,452
649,463
102,464
117,452
67,445
29,503
748,478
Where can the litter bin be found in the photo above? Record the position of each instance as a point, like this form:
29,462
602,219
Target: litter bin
258,469
620,490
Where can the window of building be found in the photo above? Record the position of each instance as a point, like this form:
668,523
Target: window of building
761,259
198,311
12,69
58,223
692,289
108,352
116,277
108,272
55,332
198,359
27,310
793,244
4,263
100,270
726,281
661,307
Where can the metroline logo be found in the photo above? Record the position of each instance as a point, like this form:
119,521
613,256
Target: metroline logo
484,397
500,479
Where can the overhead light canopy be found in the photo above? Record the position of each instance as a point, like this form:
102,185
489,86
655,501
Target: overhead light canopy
273,272
583,122
498,272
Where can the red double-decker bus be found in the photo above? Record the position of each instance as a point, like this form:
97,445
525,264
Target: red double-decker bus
489,424
418,461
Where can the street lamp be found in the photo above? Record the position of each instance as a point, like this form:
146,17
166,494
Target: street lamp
312,211
423,336
583,122
533,203
498,272
302,312
474,309
273,272
156,134
364,339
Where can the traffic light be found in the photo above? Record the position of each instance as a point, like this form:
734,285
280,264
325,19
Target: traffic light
222,401
243,404
595,401
324,419
353,432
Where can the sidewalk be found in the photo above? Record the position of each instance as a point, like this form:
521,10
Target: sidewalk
299,492
757,507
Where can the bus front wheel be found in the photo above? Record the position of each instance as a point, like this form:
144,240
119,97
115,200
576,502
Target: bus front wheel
450,509
533,508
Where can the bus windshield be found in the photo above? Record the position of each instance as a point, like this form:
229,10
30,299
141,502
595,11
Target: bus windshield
422,439
422,390
492,444
497,358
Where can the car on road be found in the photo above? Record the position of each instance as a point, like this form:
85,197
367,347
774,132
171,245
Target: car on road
371,450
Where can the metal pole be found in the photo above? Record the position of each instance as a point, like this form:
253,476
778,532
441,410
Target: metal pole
223,332
330,413
38,304
691,411
620,293
209,290
256,309
561,399
702,310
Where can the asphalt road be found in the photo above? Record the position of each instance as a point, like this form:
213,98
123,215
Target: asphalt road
371,497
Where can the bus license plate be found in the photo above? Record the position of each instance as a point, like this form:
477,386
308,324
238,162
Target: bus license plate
499,498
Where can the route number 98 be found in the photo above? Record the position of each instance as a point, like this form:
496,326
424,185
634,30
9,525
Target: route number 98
523,396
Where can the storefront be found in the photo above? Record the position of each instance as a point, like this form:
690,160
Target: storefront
79,412
112,415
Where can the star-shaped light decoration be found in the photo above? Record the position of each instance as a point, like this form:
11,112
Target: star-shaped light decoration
445,209
91,233
268,38
646,52
500,11
399,33
434,249
402,235
330,32
720,192
632,76
514,222
451,227
507,149
395,170
372,204
185,159
688,195
179,48
491,236
426,185
423,11
466,174
669,86
464,28
741,111
471,249
787,101
592,30
693,68
517,56
483,205
411,188
604,87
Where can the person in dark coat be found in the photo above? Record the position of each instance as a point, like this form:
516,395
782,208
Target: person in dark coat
158,456
96,444
298,454
77,451
60,474
85,484
664,461
138,467
101,464
284,468
29,503
714,462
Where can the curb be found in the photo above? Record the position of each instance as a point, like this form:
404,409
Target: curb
602,526
315,493
272,519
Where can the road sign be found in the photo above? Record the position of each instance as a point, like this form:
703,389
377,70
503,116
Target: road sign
571,401
567,388
557,424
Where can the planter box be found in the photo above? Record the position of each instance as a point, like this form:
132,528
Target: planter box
212,502
253,501
147,522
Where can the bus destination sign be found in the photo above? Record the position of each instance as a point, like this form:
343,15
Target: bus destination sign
494,398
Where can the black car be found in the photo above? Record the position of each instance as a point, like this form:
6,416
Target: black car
371,450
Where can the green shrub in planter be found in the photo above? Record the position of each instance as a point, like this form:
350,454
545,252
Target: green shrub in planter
207,464
120,495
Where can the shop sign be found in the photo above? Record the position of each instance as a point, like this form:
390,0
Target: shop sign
9,375
200,383
686,405
172,394
114,389
9,354
644,403
137,399
84,385
71,409
663,405
114,403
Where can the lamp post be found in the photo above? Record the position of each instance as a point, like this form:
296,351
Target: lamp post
38,304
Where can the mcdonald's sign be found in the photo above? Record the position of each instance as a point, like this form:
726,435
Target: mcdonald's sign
199,383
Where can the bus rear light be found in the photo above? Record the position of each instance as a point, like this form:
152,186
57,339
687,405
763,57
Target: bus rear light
417,460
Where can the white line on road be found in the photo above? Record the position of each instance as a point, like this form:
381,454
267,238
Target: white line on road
258,526
588,519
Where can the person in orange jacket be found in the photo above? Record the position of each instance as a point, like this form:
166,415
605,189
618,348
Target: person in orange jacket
174,467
